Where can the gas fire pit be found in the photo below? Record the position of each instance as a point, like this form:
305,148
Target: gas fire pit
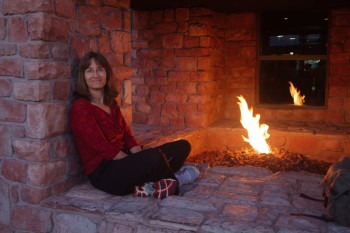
277,160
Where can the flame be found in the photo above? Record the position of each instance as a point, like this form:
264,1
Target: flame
256,133
297,98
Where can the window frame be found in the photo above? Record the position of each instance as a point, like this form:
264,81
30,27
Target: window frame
288,57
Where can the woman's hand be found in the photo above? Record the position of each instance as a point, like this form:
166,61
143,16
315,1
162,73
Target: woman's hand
135,149
121,154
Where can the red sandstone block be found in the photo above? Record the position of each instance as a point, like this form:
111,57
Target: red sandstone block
178,76
46,120
5,87
127,21
46,70
147,35
339,33
139,118
196,120
47,28
118,3
199,99
177,121
10,7
167,63
65,8
31,150
63,147
240,34
340,69
241,20
169,110
143,107
176,98
155,97
2,28
183,53
88,20
5,141
140,19
186,107
205,41
14,170
168,88
186,88
122,72
201,52
34,196
198,30
7,49
121,42
169,15
33,91
338,91
32,219
305,144
339,58
111,18
248,52
205,88
11,67
34,50
60,52
17,29
341,20
191,41
170,41
166,28
199,76
182,14
61,90
186,64
182,27
12,111
157,16
139,45
81,46
43,174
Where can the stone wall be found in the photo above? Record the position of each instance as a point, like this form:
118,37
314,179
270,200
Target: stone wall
40,42
214,57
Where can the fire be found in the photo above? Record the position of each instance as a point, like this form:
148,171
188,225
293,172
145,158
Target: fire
297,98
256,133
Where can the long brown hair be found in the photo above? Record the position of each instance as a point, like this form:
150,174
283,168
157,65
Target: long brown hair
82,90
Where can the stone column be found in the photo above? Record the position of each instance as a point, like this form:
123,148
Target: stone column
39,42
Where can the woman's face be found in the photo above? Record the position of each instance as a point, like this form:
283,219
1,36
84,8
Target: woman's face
95,76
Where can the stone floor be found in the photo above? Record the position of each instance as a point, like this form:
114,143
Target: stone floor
222,199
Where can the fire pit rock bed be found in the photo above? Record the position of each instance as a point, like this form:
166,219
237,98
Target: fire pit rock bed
277,160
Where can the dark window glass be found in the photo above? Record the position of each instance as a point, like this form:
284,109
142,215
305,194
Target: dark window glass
307,76
293,48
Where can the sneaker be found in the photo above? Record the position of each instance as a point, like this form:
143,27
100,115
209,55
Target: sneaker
159,189
187,174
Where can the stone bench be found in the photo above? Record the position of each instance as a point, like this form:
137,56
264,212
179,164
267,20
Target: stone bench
236,199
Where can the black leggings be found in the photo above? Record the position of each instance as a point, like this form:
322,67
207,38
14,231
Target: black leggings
120,177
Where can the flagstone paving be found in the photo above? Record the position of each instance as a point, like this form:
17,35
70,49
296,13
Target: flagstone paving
222,199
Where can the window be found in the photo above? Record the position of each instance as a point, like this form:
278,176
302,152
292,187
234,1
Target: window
293,48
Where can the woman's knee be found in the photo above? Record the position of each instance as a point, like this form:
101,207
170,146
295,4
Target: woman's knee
185,145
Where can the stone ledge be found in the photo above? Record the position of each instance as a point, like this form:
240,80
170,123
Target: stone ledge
236,199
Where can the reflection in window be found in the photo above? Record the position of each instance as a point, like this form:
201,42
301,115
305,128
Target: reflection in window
293,47
308,76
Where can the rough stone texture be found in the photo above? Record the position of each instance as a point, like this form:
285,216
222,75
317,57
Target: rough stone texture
43,70
5,141
249,203
33,91
12,111
43,121
46,173
5,212
20,6
31,219
31,150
